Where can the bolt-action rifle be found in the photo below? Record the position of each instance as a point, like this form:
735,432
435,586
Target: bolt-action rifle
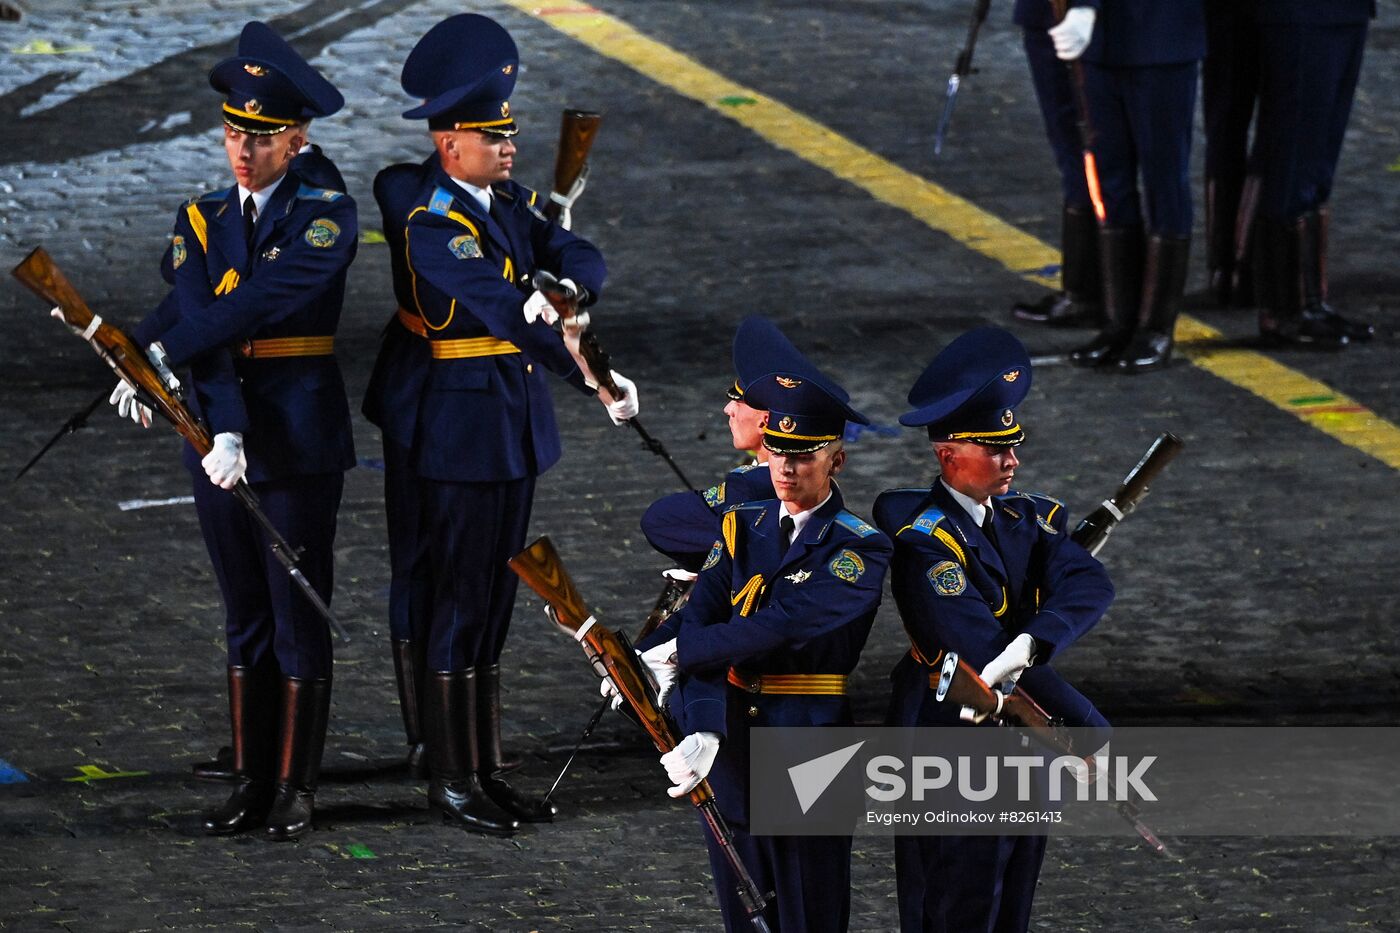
961,69
1094,530
613,657
41,275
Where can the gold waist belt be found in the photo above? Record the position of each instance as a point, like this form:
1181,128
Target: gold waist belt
456,349
813,684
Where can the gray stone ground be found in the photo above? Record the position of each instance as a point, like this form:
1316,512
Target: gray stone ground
1257,585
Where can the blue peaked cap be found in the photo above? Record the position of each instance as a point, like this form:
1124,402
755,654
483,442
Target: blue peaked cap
463,69
971,389
760,348
268,86
806,409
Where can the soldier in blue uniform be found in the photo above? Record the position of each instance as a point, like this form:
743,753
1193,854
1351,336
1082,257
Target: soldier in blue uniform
1140,82
1049,44
992,575
460,393
259,272
1310,59
683,525
776,623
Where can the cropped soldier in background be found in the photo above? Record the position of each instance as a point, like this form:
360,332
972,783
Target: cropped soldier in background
992,575
460,394
1229,89
1309,62
808,576
683,525
1048,46
1140,80
259,272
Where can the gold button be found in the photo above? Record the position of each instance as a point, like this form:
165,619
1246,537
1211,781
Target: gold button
529,367
753,710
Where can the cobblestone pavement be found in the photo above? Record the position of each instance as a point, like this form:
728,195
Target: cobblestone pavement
1256,586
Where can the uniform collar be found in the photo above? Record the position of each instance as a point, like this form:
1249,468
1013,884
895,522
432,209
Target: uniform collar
480,196
975,510
800,519
260,198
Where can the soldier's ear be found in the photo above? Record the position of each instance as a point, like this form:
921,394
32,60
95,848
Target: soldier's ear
838,460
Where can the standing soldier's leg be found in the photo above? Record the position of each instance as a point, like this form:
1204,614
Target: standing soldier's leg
410,593
1229,87
1078,302
303,509
1164,101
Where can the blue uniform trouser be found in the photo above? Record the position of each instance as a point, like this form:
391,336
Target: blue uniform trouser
966,884
1307,81
1055,93
809,875
1142,124
1229,86
266,612
474,529
410,576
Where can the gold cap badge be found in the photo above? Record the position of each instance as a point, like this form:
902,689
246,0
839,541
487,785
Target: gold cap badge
788,383
253,107
1007,417
256,71
1012,376
787,425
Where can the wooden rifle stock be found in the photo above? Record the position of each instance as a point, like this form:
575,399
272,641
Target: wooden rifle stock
577,130
1094,530
41,275
612,656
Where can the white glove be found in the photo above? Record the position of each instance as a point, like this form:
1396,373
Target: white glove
156,354
1072,35
608,689
688,763
627,407
226,462
661,661
124,397
1002,671
680,575
538,306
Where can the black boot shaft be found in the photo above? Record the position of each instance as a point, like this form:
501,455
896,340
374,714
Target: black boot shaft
1284,284
1164,282
253,703
454,789
306,707
1120,263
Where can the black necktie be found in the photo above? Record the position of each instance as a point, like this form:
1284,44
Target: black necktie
249,221
786,525
989,528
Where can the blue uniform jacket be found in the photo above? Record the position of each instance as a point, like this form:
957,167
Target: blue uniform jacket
763,612
1131,33
955,592
464,276
291,410
684,525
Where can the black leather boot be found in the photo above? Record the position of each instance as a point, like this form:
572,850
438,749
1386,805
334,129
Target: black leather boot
252,706
405,675
1120,262
219,769
488,732
306,706
1080,301
1164,281
1315,277
1285,318
453,759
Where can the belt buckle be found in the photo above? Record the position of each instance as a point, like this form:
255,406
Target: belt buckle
945,677
246,349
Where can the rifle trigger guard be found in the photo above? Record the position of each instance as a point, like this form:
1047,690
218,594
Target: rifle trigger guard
945,677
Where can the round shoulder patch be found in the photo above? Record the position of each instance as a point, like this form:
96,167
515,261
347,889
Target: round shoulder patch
322,233
714,556
847,566
465,247
1045,526
948,578
178,253
714,496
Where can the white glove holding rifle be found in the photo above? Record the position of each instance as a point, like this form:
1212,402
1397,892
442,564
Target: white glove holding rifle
690,761
1071,36
1002,671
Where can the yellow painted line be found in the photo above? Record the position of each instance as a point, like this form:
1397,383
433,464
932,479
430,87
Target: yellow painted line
1311,401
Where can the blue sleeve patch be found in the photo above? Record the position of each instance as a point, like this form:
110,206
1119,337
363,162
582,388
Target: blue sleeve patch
440,203
714,496
318,194
855,523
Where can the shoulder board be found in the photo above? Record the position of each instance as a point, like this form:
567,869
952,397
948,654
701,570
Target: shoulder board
441,202
1044,498
209,196
746,467
926,521
318,194
740,506
856,524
